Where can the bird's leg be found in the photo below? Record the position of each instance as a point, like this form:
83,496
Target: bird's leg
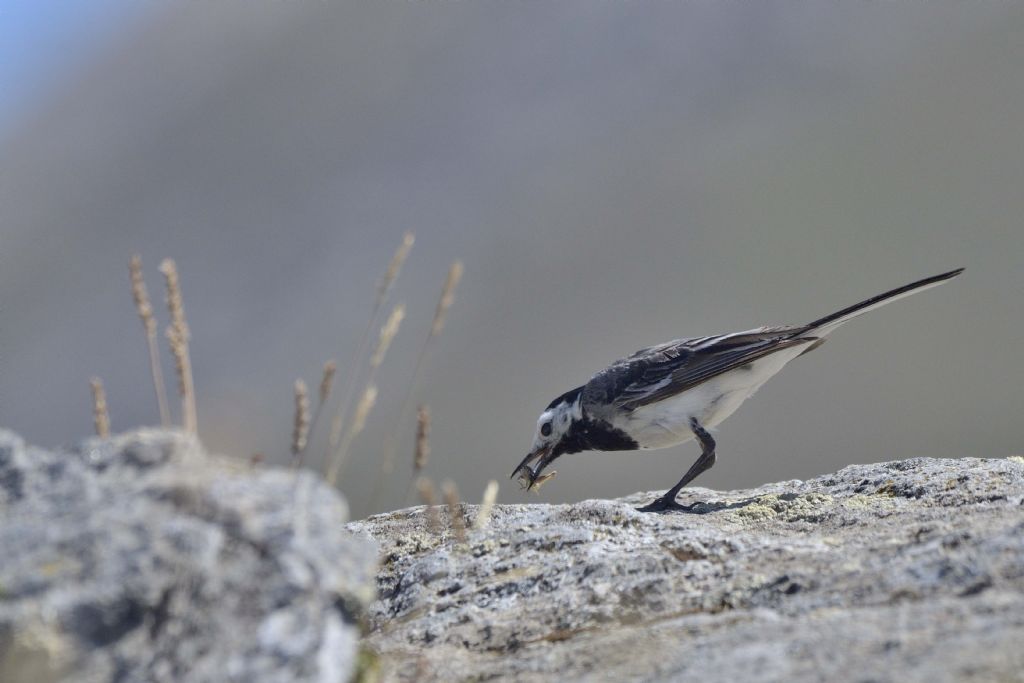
705,462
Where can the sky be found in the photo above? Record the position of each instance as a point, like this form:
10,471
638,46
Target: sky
44,42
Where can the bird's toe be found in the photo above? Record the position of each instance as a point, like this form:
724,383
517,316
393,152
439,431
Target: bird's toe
667,505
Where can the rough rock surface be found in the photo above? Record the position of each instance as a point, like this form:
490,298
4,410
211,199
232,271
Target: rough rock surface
141,558
899,571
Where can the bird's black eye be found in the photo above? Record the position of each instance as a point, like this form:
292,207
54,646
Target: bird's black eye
545,429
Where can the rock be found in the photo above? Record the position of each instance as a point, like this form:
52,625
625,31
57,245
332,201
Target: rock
141,558
898,571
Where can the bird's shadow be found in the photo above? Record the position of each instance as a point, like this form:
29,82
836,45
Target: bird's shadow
708,507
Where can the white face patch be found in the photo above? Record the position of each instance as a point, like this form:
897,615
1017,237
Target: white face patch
547,428
553,424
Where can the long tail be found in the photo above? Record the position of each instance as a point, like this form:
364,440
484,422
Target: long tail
822,326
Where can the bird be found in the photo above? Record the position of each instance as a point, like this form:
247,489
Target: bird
668,394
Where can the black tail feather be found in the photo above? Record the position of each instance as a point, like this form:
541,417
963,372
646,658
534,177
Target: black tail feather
851,311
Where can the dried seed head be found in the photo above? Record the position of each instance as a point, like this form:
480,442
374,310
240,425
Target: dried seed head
483,516
422,438
300,426
145,311
178,336
391,274
327,380
447,298
425,487
100,416
363,409
451,499
387,334
335,437
140,295
177,345
175,304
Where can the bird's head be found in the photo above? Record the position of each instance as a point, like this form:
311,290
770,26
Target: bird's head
552,438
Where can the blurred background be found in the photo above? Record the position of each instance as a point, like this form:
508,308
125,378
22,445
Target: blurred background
612,174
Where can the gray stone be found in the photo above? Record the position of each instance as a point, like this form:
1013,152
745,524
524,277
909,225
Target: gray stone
142,558
899,571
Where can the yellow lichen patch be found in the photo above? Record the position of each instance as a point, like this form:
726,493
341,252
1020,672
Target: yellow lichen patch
518,572
51,569
760,510
1019,459
859,501
791,508
60,566
38,651
367,666
807,506
886,489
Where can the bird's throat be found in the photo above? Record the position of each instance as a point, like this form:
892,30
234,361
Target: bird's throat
595,435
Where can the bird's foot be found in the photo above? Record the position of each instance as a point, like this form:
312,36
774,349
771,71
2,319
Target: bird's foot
666,504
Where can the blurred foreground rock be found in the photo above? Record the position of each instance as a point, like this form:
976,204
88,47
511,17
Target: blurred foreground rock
142,558
899,571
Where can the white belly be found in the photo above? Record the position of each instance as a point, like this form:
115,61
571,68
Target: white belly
667,423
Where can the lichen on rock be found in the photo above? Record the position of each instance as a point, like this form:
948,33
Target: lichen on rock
876,572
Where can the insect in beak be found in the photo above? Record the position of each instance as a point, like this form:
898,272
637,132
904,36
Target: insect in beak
531,477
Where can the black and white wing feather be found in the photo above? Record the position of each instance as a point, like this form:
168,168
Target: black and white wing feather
659,372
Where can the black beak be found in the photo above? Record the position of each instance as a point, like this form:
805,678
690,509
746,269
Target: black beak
529,475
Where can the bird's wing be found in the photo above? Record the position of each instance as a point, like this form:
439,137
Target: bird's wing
656,373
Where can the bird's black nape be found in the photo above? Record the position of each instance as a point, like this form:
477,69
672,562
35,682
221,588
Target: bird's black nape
567,397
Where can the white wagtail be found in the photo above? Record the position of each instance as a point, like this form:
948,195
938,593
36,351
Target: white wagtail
668,394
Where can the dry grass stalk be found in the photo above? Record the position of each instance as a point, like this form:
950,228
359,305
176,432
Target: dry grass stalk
384,286
451,499
326,385
100,416
440,315
140,294
300,425
420,455
366,404
422,439
178,336
447,298
327,380
145,311
335,437
300,493
483,516
394,267
425,487
387,335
